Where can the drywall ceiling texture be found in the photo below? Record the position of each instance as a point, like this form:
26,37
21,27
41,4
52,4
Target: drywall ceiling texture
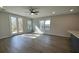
43,10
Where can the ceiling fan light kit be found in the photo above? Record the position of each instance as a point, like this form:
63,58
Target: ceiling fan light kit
34,11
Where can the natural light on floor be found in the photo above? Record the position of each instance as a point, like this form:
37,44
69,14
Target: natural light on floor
37,30
30,35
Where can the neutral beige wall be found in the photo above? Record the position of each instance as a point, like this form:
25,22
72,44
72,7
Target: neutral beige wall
4,25
63,23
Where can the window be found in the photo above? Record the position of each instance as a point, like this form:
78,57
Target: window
20,24
13,25
45,25
42,24
29,25
16,25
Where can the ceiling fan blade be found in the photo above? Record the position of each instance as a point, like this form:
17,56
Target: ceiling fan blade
36,13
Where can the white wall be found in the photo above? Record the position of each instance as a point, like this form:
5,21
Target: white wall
63,23
5,24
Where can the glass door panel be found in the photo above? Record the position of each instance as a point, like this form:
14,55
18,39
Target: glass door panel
47,25
20,25
13,25
42,25
29,25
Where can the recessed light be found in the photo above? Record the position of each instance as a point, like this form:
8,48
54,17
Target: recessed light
71,10
53,12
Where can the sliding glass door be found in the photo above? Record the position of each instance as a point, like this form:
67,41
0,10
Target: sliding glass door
42,26
45,25
20,25
29,26
16,25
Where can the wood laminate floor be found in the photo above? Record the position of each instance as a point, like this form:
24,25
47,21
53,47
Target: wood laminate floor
35,43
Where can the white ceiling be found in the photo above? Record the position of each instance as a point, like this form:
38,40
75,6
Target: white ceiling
43,10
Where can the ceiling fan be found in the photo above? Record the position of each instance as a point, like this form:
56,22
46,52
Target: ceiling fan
33,11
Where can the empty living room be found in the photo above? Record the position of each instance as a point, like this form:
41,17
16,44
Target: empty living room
39,29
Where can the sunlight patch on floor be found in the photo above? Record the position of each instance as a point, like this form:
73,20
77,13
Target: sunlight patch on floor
30,35
37,30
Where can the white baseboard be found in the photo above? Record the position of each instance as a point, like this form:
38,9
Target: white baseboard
56,35
4,37
61,35
1,37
